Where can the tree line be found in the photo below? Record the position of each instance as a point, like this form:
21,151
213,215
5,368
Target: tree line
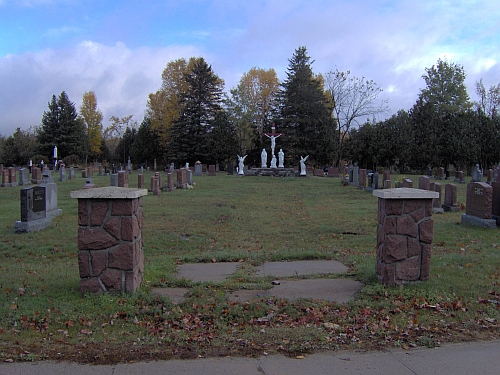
326,116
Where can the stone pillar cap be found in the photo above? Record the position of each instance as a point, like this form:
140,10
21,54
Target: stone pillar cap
109,192
405,193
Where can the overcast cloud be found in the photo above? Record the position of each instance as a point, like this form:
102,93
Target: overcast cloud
119,48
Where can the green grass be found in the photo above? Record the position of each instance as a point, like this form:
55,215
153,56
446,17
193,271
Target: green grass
250,220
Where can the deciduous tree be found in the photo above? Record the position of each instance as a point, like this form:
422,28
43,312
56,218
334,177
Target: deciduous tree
354,100
92,120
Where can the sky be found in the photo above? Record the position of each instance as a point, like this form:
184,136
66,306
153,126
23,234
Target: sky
119,48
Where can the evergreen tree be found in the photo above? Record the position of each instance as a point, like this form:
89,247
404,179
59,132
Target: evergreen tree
191,133
146,146
223,139
62,128
305,118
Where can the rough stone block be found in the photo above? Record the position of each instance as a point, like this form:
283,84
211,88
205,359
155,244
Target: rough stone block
408,270
113,226
393,207
98,212
94,239
91,286
122,257
130,228
390,225
122,207
406,226
82,212
414,247
112,279
84,264
395,248
426,231
98,262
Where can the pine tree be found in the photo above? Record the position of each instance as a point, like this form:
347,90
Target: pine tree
190,134
62,128
305,118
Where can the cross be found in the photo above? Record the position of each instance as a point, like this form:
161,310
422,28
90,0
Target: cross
273,135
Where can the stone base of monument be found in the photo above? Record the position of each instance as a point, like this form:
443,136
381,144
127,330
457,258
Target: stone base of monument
478,222
54,213
273,172
32,226
497,219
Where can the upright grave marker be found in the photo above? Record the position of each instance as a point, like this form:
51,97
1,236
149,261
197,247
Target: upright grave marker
478,211
33,210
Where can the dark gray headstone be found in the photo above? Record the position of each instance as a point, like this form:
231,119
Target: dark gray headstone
33,204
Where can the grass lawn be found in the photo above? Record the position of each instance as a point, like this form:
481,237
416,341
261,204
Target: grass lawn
249,220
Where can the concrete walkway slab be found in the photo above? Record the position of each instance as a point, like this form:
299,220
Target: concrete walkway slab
177,295
301,268
335,290
199,272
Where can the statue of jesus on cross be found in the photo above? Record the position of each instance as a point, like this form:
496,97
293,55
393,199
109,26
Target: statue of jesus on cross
273,135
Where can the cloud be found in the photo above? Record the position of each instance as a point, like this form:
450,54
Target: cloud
121,77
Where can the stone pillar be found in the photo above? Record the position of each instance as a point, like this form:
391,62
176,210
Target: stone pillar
36,176
140,181
110,241
123,179
182,177
404,235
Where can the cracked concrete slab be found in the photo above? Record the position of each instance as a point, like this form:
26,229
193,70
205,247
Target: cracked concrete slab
335,290
200,272
301,268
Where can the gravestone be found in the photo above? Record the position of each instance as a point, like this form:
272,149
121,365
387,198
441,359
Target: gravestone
424,183
211,170
99,173
189,177
489,176
140,181
155,184
170,182
362,179
182,178
318,172
36,175
62,173
71,173
230,169
24,177
387,176
113,179
122,179
477,174
198,170
479,201
406,183
440,173
495,205
12,177
436,202
450,198
375,181
90,172
50,194
459,177
333,172
354,177
33,210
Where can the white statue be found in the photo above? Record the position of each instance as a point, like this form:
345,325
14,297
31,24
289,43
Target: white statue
273,161
241,166
263,158
187,165
281,157
55,152
273,141
303,165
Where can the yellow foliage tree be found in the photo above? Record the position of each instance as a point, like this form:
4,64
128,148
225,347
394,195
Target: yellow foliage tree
92,119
